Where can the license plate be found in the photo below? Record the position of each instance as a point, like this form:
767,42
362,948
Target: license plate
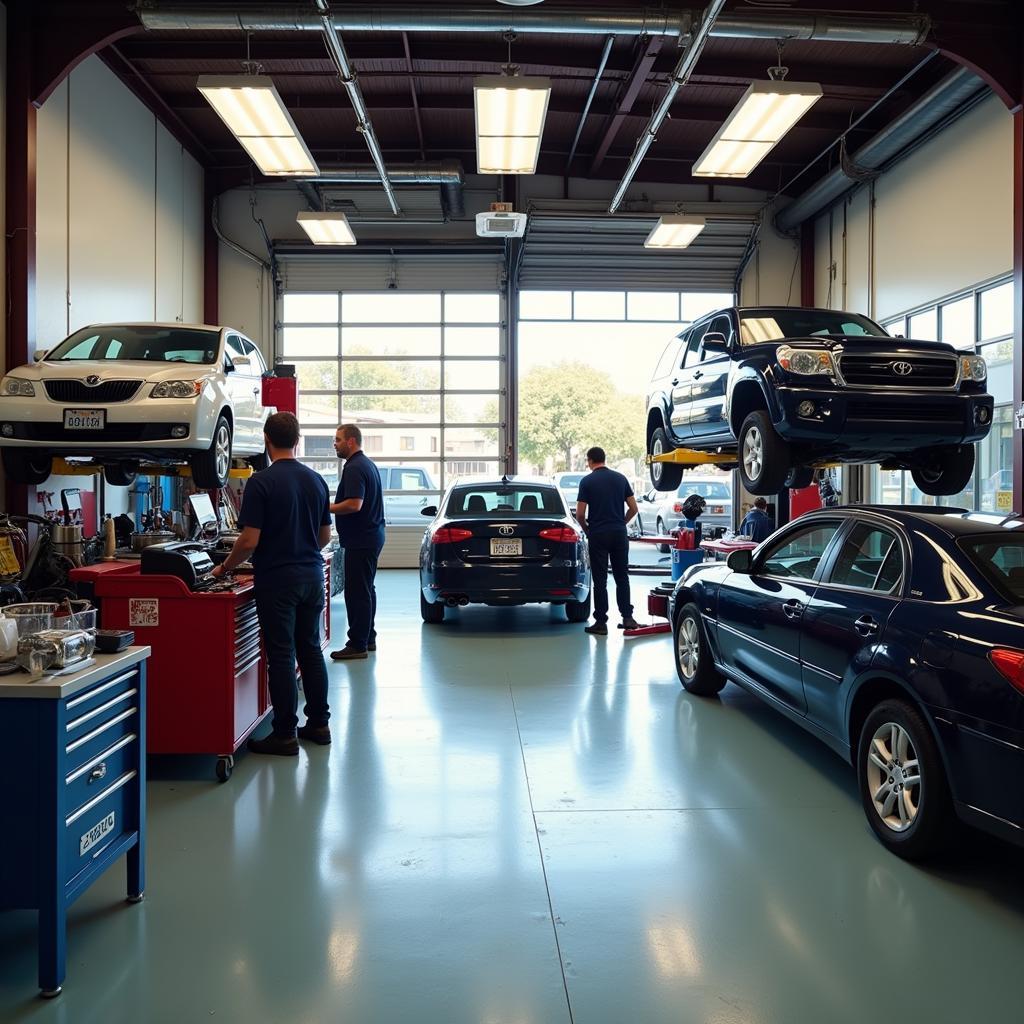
96,833
84,419
506,547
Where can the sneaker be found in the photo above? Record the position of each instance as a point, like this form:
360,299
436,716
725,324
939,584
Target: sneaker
629,623
597,629
284,746
315,734
348,654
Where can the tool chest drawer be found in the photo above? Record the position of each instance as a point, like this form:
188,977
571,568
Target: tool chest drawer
86,702
104,819
91,778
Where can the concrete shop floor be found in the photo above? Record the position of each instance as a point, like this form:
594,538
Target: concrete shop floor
518,823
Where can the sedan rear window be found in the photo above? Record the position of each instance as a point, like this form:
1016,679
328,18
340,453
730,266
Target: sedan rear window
1001,559
144,343
484,498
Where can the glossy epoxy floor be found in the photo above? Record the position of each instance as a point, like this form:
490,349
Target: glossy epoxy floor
517,824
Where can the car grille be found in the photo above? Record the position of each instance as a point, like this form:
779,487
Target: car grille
876,371
896,412
111,433
105,392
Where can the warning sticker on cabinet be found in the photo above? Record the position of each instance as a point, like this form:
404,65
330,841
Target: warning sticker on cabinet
96,833
143,611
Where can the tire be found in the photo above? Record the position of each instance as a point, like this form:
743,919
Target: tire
121,474
798,477
432,613
694,664
210,469
949,471
663,548
258,462
578,611
764,456
24,466
924,803
665,476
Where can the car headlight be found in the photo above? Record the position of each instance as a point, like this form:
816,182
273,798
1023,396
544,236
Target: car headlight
805,361
15,387
973,368
177,389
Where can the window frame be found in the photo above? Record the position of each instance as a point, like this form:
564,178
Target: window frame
824,562
899,588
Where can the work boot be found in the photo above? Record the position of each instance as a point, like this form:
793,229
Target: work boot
629,623
283,746
597,629
348,654
315,734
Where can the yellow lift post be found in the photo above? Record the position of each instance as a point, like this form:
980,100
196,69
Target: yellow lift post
690,457
61,467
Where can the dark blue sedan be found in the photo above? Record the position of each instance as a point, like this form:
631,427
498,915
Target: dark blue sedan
503,542
896,635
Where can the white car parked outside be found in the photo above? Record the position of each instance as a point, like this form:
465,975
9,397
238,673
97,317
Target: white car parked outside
121,394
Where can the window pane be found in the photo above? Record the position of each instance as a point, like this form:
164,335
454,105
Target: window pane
897,326
924,326
300,308
478,375
696,304
799,556
471,409
393,375
409,442
870,560
470,443
995,463
652,306
317,375
545,305
390,409
391,307
600,305
471,341
999,359
318,408
470,469
310,341
997,311
318,443
391,341
478,308
958,323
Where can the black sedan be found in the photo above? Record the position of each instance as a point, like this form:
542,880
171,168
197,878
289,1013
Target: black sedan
503,542
896,635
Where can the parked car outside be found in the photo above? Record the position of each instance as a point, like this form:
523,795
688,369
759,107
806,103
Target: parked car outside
786,389
896,636
121,394
717,517
569,485
407,491
503,542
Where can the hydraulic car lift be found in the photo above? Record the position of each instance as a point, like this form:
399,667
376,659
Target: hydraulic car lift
691,457
61,467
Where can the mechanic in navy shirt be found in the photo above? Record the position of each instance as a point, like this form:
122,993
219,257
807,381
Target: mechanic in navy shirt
359,515
603,508
757,524
285,523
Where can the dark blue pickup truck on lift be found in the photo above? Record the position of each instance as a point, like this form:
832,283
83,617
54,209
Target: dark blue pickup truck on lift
778,390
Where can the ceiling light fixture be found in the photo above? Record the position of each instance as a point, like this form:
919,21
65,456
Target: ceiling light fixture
326,228
674,232
254,113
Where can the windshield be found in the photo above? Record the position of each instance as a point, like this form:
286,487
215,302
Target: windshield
773,324
145,343
706,489
1001,559
569,481
523,498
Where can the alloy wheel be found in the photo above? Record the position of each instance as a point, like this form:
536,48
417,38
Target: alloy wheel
223,447
657,449
894,777
688,644
753,453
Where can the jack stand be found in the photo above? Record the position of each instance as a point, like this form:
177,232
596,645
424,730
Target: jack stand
657,604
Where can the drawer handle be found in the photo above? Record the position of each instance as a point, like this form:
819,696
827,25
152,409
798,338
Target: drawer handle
99,772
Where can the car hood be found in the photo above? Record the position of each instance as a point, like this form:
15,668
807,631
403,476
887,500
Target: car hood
112,369
859,346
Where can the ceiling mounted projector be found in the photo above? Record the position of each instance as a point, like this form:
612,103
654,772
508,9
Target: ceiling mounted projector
500,222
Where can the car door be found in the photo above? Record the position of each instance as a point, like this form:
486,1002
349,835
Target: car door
760,613
846,618
682,384
412,496
259,369
239,385
709,384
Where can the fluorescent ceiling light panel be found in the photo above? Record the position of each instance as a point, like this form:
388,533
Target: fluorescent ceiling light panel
326,228
255,114
674,232
510,115
761,118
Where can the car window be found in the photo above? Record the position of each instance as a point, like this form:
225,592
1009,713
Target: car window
521,498
870,559
692,354
234,346
1001,559
798,554
671,358
706,489
255,355
721,325
407,480
758,326
144,342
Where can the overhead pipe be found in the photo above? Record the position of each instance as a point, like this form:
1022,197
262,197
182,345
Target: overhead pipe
336,48
680,76
590,99
944,99
448,174
909,29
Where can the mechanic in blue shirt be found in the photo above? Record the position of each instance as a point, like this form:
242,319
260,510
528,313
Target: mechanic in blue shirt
604,506
359,515
285,523
757,524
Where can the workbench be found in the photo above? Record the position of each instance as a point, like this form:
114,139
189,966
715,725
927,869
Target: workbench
74,799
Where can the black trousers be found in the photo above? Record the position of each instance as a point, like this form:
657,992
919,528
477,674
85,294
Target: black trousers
361,596
290,618
611,546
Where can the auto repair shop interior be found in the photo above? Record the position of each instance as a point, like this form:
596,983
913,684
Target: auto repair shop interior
768,256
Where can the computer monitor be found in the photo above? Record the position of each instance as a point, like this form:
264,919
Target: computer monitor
202,509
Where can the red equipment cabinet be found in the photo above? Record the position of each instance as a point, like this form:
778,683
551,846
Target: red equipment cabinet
282,393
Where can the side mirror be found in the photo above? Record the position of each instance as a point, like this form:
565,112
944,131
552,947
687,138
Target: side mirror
430,510
715,342
40,355
740,561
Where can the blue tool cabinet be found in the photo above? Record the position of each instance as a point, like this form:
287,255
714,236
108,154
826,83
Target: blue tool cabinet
77,801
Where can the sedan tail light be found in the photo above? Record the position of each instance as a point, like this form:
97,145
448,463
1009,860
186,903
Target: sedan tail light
450,535
1010,664
678,508
561,534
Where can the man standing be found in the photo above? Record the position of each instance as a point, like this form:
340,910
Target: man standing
285,523
359,515
604,507
757,524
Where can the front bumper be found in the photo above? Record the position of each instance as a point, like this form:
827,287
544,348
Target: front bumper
875,423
